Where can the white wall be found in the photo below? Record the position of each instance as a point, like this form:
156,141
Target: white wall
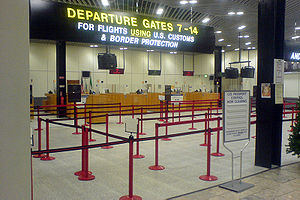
81,58
14,101
241,83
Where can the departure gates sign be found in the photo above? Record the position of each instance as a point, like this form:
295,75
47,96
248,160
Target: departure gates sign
58,21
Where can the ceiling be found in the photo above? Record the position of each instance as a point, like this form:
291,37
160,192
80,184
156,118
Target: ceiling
216,10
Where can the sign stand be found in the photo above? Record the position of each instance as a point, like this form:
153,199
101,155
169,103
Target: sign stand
236,127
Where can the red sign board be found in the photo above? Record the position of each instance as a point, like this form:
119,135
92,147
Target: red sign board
116,71
188,73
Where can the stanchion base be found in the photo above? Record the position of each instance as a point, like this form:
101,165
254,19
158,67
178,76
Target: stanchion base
166,139
208,178
92,140
48,158
107,147
120,123
156,167
89,177
192,128
203,145
39,155
143,133
254,137
217,154
79,173
76,133
134,197
138,156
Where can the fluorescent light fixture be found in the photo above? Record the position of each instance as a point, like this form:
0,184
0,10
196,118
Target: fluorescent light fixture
159,11
125,48
231,13
193,1
249,47
218,32
295,37
236,49
223,51
241,27
246,36
247,43
105,3
221,40
240,13
297,28
205,20
183,2
229,45
253,48
173,52
150,50
240,36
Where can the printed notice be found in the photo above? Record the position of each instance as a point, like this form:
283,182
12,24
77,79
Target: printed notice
278,93
236,116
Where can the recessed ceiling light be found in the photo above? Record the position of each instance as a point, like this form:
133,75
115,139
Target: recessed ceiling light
193,1
253,48
218,32
173,52
125,48
241,27
240,13
240,36
229,45
221,40
246,36
159,11
205,20
183,2
247,43
223,51
297,28
249,47
295,37
231,13
105,3
150,50
94,46
236,49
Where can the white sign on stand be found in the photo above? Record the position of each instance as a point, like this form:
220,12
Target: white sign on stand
236,119
176,98
131,125
236,127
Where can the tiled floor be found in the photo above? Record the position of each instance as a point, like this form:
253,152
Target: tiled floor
183,158
275,184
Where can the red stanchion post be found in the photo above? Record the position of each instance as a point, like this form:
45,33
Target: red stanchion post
218,154
172,112
39,140
120,114
205,132
47,157
106,129
84,174
132,111
90,127
193,108
167,120
75,121
38,118
161,112
283,109
130,196
291,130
85,115
208,177
179,111
138,155
156,166
142,122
